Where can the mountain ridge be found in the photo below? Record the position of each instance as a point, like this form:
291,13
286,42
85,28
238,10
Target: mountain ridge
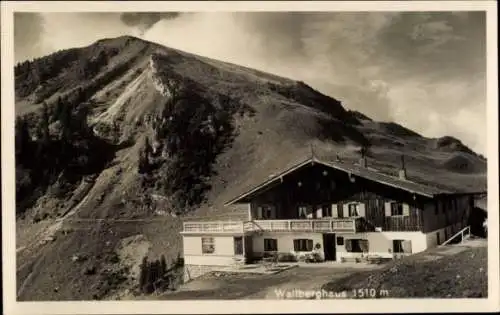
170,134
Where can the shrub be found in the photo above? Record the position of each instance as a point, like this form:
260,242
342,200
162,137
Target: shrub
111,280
113,258
287,257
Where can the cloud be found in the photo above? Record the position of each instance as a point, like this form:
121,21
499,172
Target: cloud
28,29
145,20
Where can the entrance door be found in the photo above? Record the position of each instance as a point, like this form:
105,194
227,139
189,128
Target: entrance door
329,246
238,245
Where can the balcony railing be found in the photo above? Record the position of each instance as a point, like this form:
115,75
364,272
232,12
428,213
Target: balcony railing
312,225
214,226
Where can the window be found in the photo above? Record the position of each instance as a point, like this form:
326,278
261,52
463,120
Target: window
353,210
270,245
302,245
340,211
238,245
356,245
326,211
401,246
340,240
207,245
267,212
396,208
397,246
303,210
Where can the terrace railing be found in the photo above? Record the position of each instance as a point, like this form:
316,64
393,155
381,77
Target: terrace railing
463,234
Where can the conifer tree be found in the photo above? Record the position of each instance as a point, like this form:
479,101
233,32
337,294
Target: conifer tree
58,109
22,138
143,277
163,263
44,124
66,122
144,157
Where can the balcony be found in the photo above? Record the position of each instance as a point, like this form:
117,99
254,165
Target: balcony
313,225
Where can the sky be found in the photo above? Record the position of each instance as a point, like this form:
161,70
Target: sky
423,70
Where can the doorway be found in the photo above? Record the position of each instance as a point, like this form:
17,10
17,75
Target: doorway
329,246
238,245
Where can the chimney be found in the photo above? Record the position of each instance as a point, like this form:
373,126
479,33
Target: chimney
402,170
362,161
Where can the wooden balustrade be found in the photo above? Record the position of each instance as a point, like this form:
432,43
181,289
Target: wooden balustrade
311,225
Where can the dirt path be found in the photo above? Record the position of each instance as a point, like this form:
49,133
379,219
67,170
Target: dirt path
49,232
245,286
303,280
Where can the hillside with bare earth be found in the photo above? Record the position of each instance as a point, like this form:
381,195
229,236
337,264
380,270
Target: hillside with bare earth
131,137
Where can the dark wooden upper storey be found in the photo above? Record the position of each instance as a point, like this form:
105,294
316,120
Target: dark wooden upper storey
317,189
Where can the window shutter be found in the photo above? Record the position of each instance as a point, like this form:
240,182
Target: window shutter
388,209
319,212
348,245
335,211
345,209
406,209
361,209
259,212
296,245
302,212
309,245
406,247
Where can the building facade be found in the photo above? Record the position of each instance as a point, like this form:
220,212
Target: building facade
336,211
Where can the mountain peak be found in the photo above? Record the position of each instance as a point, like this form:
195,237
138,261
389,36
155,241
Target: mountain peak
122,40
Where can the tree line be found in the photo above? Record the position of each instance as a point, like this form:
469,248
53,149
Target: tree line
157,276
188,135
55,146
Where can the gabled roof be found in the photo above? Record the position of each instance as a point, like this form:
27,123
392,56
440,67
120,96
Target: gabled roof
357,170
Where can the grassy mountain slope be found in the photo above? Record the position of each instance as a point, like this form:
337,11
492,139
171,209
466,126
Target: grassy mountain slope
184,134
